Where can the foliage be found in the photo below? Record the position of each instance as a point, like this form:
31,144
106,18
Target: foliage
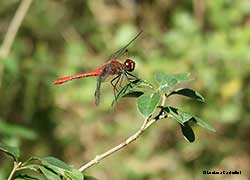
149,97
50,167
210,40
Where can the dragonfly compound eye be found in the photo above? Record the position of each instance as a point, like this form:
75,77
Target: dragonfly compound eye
129,65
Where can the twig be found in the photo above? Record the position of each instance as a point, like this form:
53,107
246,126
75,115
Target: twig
146,124
199,11
16,165
13,28
116,148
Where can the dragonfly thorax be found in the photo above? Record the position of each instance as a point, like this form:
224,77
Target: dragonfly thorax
129,65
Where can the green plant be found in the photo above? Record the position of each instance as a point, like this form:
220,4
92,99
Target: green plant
151,103
151,98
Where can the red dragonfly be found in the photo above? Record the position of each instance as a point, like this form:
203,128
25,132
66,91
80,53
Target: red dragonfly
113,67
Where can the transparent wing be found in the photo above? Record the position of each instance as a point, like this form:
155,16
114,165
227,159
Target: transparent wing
123,50
97,90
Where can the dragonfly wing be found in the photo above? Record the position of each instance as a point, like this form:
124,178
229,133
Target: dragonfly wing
121,51
100,79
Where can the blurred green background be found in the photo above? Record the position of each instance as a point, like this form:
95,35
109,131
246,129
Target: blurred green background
210,39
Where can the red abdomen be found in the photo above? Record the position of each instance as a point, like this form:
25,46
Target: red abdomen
97,72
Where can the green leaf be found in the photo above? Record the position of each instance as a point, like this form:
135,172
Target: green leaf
145,85
147,103
55,162
129,89
183,117
134,94
89,178
187,132
60,167
50,175
177,114
180,77
32,167
189,93
203,124
12,151
126,89
25,177
166,82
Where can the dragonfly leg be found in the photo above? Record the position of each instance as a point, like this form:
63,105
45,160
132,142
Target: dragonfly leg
121,80
114,83
130,77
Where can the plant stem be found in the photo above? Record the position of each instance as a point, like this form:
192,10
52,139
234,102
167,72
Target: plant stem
12,31
146,124
16,165
116,148
13,28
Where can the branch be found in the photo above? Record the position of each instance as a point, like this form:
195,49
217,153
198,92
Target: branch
16,165
146,124
199,11
13,28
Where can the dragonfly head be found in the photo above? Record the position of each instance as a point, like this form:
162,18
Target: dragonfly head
129,65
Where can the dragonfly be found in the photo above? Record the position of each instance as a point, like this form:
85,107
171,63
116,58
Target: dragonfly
113,67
